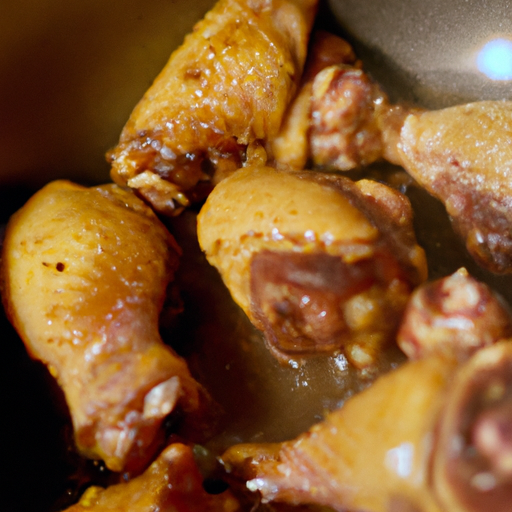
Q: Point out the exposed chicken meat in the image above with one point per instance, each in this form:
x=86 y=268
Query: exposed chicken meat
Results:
x=455 y=316
x=318 y=263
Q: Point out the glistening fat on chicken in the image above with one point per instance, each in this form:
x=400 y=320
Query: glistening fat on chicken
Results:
x=218 y=101
x=84 y=278
x=318 y=262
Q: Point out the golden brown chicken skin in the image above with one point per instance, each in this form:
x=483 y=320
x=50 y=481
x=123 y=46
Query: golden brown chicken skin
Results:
x=172 y=483
x=217 y=102
x=455 y=315
x=462 y=156
x=84 y=274
x=431 y=436
x=318 y=263
x=371 y=454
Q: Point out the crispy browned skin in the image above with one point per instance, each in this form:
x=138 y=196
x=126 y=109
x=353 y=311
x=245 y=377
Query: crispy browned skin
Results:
x=172 y=483
x=318 y=263
x=84 y=275
x=219 y=99
x=455 y=315
x=431 y=436
x=462 y=156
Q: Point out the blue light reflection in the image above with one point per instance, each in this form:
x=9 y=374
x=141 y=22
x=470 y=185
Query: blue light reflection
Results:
x=495 y=59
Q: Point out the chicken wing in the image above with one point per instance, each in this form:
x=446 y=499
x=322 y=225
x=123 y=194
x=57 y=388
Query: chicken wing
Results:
x=429 y=437
x=318 y=263
x=84 y=274
x=462 y=155
x=172 y=483
x=217 y=102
